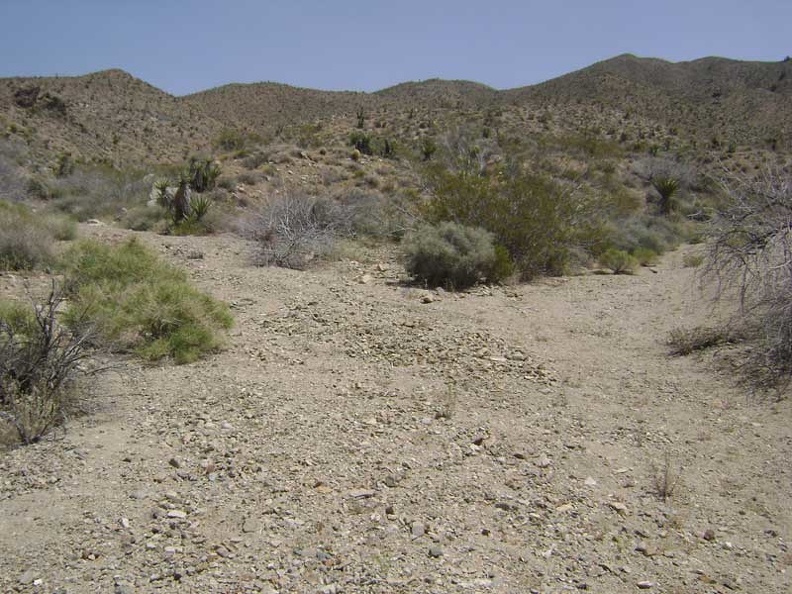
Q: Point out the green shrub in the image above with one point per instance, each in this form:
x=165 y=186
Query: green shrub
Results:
x=40 y=360
x=454 y=256
x=619 y=261
x=645 y=256
x=539 y=221
x=230 y=140
x=362 y=142
x=141 y=304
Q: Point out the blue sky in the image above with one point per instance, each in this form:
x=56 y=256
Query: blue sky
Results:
x=185 y=46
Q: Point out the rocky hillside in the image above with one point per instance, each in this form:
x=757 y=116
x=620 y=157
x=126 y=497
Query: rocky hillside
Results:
x=107 y=117
x=708 y=104
x=715 y=99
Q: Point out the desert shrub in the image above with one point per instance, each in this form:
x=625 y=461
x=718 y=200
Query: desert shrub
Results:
x=372 y=215
x=750 y=252
x=139 y=303
x=40 y=360
x=293 y=229
x=12 y=182
x=454 y=256
x=93 y=192
x=645 y=256
x=684 y=341
x=619 y=261
x=658 y=234
x=539 y=221
x=25 y=240
x=668 y=178
x=230 y=140
x=691 y=260
x=362 y=142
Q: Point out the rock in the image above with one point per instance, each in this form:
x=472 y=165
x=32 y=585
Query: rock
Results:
x=361 y=494
x=417 y=530
x=645 y=585
x=429 y=298
x=435 y=552
x=28 y=577
x=618 y=506
x=174 y=462
x=250 y=525
x=365 y=279
x=544 y=461
x=177 y=514
x=590 y=482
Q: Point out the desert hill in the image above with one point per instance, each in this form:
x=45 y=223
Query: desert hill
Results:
x=715 y=99
x=112 y=117
x=107 y=116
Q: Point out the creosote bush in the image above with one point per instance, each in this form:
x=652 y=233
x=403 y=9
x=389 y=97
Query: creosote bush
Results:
x=540 y=222
x=141 y=304
x=40 y=361
x=454 y=256
x=619 y=261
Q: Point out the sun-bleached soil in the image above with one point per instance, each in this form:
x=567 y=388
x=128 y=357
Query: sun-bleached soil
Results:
x=358 y=435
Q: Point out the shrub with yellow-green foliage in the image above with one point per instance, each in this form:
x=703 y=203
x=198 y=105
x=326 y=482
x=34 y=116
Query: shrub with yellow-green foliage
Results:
x=539 y=221
x=619 y=261
x=141 y=304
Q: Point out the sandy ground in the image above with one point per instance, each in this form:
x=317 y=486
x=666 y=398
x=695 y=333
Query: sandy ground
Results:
x=358 y=435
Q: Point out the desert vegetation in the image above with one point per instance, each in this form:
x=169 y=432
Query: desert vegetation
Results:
x=750 y=258
x=460 y=315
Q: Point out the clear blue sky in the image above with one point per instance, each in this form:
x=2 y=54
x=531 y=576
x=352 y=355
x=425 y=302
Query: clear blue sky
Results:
x=185 y=46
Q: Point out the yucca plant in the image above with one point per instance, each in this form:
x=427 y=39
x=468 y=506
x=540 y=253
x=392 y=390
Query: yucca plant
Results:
x=667 y=187
x=202 y=174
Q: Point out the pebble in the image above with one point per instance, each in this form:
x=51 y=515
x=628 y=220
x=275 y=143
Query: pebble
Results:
x=28 y=577
x=435 y=552
x=177 y=514
x=417 y=530
x=645 y=585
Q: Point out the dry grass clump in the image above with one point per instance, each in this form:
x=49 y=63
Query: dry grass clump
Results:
x=684 y=341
